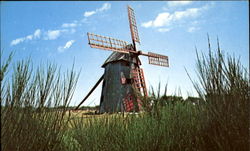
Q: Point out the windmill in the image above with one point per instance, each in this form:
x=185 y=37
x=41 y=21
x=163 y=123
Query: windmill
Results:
x=123 y=77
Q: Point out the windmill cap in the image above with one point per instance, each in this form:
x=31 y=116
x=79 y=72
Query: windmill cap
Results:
x=117 y=56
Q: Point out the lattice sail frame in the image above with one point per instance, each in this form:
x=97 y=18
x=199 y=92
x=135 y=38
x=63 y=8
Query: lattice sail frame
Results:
x=130 y=102
x=107 y=43
x=132 y=25
x=139 y=80
x=157 y=59
x=112 y=44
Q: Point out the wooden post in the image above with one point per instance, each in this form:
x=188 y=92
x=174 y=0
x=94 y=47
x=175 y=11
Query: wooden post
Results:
x=97 y=83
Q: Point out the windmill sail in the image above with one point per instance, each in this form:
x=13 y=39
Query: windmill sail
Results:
x=107 y=43
x=139 y=80
x=132 y=25
x=157 y=59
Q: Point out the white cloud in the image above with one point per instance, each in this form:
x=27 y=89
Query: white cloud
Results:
x=191 y=12
x=165 y=19
x=162 y=19
x=67 y=25
x=69 y=44
x=66 y=46
x=26 y=38
x=17 y=41
x=105 y=6
x=164 y=29
x=52 y=34
x=48 y=35
x=37 y=33
x=178 y=3
x=29 y=37
x=147 y=24
x=90 y=13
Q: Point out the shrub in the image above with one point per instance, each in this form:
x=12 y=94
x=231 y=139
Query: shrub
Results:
x=224 y=87
x=29 y=120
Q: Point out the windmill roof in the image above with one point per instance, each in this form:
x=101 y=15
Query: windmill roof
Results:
x=117 y=56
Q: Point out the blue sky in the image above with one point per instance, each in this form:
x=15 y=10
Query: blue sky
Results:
x=57 y=32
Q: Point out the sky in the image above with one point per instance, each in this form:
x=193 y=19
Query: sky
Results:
x=57 y=32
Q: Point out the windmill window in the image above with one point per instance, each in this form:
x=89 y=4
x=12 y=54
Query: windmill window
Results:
x=126 y=80
x=129 y=81
x=123 y=80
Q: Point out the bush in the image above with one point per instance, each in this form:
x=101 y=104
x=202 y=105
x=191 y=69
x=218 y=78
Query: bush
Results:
x=224 y=87
x=28 y=118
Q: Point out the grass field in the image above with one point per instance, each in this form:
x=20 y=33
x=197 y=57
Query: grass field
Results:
x=35 y=112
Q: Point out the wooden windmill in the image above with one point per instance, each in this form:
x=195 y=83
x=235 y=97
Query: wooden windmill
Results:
x=123 y=76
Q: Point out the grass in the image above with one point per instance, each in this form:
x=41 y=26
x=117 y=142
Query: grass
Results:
x=224 y=88
x=217 y=120
x=169 y=129
x=29 y=120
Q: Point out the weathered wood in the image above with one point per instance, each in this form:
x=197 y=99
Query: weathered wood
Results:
x=114 y=92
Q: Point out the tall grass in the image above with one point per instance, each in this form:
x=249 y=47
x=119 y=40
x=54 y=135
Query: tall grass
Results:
x=169 y=129
x=224 y=87
x=28 y=98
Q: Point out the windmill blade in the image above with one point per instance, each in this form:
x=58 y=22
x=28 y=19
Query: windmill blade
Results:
x=157 y=59
x=107 y=43
x=139 y=80
x=132 y=25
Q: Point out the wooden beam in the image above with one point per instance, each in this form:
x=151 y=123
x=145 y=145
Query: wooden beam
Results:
x=97 y=83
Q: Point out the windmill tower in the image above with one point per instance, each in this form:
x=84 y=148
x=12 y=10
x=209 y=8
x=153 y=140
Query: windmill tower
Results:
x=123 y=77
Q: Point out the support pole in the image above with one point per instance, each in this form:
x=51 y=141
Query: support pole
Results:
x=97 y=83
